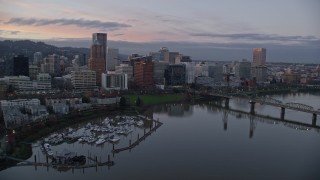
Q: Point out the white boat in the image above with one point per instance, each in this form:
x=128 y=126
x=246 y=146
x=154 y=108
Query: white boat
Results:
x=100 y=141
x=139 y=123
x=50 y=153
x=114 y=138
x=91 y=140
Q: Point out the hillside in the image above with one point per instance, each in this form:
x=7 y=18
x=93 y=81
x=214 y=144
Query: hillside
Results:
x=9 y=48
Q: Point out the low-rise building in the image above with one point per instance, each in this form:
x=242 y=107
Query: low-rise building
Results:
x=13 y=117
x=60 y=108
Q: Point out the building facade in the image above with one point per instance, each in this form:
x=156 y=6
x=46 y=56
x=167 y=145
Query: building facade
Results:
x=143 y=74
x=243 y=70
x=20 y=66
x=259 y=57
x=115 y=81
x=175 y=74
x=112 y=59
x=216 y=72
x=85 y=79
x=97 y=61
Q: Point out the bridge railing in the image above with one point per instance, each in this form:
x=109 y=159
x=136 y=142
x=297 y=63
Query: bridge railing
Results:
x=300 y=106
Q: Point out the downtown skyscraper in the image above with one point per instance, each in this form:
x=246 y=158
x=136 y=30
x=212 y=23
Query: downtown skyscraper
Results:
x=259 y=57
x=259 y=68
x=98 y=53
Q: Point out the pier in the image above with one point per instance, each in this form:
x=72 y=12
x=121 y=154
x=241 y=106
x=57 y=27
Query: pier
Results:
x=139 y=139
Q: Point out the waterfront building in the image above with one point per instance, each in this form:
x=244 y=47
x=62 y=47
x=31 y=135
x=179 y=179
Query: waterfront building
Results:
x=190 y=72
x=143 y=73
x=112 y=59
x=159 y=68
x=60 y=108
x=85 y=79
x=175 y=74
x=114 y=81
x=104 y=101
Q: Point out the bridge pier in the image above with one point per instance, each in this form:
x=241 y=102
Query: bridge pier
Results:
x=252 y=106
x=283 y=111
x=314 y=119
x=226 y=103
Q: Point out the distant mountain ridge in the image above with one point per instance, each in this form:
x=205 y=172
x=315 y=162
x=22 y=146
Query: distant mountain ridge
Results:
x=9 y=48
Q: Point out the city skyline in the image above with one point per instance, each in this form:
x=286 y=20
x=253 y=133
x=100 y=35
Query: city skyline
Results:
x=208 y=30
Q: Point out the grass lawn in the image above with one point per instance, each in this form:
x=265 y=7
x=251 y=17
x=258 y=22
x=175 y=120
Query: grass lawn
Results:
x=156 y=99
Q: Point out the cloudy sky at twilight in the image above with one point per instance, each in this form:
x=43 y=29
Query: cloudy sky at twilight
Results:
x=228 y=24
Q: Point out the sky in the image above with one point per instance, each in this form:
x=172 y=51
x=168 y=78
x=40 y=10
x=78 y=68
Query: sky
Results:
x=208 y=29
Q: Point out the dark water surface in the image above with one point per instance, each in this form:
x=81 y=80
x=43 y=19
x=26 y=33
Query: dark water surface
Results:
x=204 y=142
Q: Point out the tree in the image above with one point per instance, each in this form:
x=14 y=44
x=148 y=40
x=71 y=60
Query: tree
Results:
x=85 y=99
x=139 y=101
x=123 y=102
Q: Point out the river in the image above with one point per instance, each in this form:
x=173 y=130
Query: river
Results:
x=203 y=141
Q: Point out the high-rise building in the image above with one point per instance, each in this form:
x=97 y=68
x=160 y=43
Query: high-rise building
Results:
x=259 y=57
x=159 y=68
x=259 y=63
x=175 y=74
x=97 y=61
x=170 y=57
x=37 y=58
x=216 y=72
x=143 y=74
x=243 y=69
x=21 y=66
x=101 y=38
x=112 y=58
x=159 y=56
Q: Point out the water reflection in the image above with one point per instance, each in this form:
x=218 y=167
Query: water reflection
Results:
x=216 y=107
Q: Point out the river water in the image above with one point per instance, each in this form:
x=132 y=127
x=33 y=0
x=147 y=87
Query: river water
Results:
x=203 y=141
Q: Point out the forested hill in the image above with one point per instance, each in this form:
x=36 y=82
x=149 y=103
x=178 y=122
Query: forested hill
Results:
x=9 y=48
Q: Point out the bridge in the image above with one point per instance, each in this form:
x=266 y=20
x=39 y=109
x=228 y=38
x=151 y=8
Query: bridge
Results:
x=254 y=118
x=253 y=99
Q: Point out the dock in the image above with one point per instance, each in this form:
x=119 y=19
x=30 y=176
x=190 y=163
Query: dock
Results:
x=139 y=139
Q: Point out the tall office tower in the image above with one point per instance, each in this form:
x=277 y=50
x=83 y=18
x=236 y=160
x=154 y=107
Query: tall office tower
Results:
x=21 y=66
x=97 y=61
x=102 y=39
x=112 y=59
x=216 y=72
x=259 y=57
x=259 y=63
x=243 y=69
x=37 y=58
x=143 y=74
